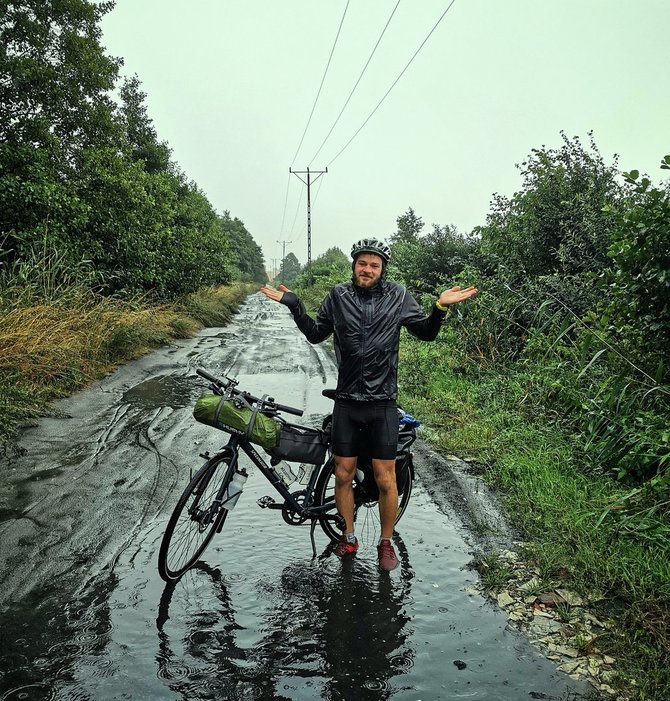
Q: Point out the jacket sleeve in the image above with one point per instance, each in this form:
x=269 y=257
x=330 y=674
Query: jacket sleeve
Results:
x=417 y=323
x=314 y=331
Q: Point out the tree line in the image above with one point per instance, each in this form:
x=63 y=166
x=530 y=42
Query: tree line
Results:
x=84 y=178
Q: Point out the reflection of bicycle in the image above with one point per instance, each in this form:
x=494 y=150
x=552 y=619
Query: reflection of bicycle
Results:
x=214 y=489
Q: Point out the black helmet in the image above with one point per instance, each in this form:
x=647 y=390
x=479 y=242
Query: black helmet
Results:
x=379 y=248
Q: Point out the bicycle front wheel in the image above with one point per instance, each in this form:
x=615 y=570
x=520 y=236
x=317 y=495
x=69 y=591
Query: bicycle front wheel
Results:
x=366 y=510
x=195 y=519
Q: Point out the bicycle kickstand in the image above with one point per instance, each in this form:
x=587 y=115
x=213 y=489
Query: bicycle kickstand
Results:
x=311 y=535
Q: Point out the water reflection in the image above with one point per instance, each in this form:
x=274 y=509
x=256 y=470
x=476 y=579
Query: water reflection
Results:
x=208 y=639
x=327 y=629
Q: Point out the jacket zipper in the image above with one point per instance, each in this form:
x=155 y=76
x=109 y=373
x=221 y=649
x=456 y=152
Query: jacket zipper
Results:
x=367 y=307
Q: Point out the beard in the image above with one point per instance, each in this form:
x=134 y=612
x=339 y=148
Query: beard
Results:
x=366 y=279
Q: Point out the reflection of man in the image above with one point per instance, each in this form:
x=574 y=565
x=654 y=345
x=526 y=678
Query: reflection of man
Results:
x=366 y=316
x=366 y=638
x=339 y=628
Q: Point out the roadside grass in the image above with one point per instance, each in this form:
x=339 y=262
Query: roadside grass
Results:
x=493 y=570
x=52 y=347
x=559 y=502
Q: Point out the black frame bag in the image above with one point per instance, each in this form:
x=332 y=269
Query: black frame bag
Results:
x=300 y=444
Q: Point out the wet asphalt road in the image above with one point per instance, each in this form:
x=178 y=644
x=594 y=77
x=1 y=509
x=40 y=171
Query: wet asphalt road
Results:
x=85 y=615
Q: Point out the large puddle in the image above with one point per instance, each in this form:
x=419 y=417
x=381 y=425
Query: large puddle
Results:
x=260 y=618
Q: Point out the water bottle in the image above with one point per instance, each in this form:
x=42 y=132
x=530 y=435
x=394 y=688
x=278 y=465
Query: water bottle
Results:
x=234 y=489
x=285 y=472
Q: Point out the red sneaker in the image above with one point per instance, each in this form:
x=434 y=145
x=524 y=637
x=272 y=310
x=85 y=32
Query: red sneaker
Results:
x=346 y=549
x=387 y=557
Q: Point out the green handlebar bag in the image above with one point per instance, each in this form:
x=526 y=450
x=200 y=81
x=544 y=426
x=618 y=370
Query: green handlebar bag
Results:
x=224 y=414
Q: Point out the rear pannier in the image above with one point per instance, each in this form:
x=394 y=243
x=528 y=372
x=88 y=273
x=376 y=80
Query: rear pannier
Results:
x=222 y=413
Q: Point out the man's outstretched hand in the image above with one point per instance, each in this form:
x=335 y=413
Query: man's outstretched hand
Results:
x=273 y=294
x=455 y=295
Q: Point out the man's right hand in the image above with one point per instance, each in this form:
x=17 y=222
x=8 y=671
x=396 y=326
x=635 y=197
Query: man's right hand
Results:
x=273 y=294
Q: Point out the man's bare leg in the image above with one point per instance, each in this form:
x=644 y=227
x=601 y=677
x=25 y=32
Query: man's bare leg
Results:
x=345 y=469
x=384 y=471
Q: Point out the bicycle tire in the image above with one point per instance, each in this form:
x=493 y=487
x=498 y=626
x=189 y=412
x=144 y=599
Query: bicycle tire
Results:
x=195 y=520
x=366 y=511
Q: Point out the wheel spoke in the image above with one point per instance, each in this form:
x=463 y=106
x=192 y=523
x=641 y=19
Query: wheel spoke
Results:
x=194 y=520
x=366 y=512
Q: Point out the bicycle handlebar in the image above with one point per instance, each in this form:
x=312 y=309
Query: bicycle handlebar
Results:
x=230 y=385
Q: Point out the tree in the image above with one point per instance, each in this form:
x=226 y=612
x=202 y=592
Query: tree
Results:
x=139 y=129
x=247 y=256
x=556 y=224
x=332 y=258
x=409 y=228
x=54 y=104
x=638 y=287
x=289 y=270
x=328 y=269
x=428 y=263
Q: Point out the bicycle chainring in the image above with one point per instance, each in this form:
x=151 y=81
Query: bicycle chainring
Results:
x=293 y=518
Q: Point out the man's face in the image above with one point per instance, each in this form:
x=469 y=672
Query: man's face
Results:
x=367 y=269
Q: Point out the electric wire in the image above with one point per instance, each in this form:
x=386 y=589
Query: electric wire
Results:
x=316 y=99
x=297 y=209
x=386 y=94
x=388 y=21
x=283 y=216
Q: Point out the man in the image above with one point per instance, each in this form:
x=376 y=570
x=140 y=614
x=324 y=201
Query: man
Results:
x=366 y=316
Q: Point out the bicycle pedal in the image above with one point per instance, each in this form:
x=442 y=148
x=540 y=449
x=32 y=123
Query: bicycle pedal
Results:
x=265 y=502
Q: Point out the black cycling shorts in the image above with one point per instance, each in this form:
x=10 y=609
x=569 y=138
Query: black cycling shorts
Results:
x=365 y=428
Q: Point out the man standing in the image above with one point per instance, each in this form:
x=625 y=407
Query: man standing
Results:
x=366 y=316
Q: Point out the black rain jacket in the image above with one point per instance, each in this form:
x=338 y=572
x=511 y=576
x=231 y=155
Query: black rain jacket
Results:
x=366 y=324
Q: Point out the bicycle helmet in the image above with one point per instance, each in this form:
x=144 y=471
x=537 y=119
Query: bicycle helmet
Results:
x=375 y=246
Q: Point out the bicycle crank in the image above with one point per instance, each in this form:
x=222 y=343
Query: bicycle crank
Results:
x=292 y=517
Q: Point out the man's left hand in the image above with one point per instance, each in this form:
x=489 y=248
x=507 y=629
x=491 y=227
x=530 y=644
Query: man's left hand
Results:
x=455 y=295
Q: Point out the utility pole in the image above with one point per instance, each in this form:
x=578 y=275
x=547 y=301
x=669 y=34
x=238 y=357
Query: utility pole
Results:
x=308 y=182
x=283 y=251
x=274 y=267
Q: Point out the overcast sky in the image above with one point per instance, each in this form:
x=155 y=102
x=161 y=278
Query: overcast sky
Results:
x=231 y=83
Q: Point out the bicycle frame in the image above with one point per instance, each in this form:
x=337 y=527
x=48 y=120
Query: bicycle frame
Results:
x=238 y=441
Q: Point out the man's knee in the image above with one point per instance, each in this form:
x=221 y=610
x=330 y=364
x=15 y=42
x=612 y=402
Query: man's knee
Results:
x=384 y=471
x=345 y=469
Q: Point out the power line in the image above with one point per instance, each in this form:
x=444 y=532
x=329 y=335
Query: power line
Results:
x=316 y=99
x=393 y=84
x=388 y=21
x=297 y=209
x=283 y=216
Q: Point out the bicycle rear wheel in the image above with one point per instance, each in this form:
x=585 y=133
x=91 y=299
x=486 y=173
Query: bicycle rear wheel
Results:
x=366 y=509
x=195 y=519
